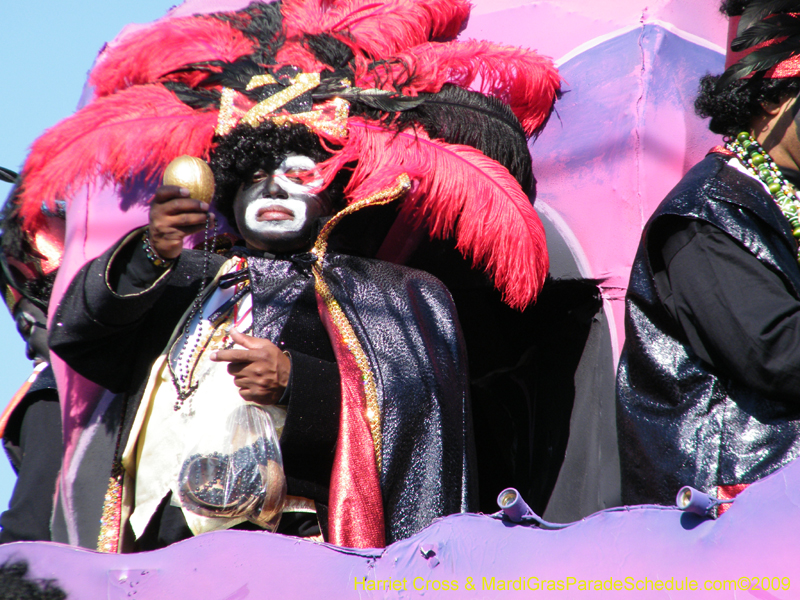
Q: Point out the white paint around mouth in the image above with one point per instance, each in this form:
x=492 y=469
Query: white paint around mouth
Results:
x=297 y=208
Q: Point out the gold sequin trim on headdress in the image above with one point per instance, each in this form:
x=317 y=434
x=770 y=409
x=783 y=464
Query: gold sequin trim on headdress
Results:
x=329 y=117
x=301 y=84
x=257 y=81
x=226 y=120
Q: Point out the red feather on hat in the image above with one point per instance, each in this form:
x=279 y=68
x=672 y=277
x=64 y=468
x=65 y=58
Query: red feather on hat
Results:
x=523 y=79
x=148 y=54
x=135 y=132
x=459 y=191
x=376 y=28
x=135 y=127
x=294 y=53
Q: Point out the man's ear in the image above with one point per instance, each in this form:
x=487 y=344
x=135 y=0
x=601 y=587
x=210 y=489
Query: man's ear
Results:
x=775 y=108
x=772 y=108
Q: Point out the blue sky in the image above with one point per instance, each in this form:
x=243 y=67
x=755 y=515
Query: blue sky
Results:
x=46 y=49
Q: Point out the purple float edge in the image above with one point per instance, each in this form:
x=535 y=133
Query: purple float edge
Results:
x=753 y=545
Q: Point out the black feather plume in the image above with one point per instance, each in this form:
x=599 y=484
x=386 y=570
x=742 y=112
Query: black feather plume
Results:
x=384 y=101
x=775 y=27
x=8 y=175
x=196 y=98
x=235 y=75
x=381 y=100
x=261 y=22
x=758 y=10
x=327 y=49
x=460 y=116
x=760 y=60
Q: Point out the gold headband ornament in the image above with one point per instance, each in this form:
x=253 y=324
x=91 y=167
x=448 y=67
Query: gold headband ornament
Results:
x=328 y=118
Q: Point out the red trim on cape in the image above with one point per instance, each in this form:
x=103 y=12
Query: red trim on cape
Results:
x=720 y=150
x=728 y=492
x=355 y=511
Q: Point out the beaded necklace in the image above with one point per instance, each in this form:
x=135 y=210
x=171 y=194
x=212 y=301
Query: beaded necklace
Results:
x=759 y=164
x=181 y=377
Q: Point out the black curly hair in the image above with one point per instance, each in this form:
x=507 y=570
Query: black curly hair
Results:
x=246 y=149
x=733 y=108
x=733 y=8
x=14 y=585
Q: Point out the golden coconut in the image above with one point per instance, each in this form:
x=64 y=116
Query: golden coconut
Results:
x=193 y=174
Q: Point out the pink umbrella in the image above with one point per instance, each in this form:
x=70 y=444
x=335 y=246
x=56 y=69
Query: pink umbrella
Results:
x=625 y=131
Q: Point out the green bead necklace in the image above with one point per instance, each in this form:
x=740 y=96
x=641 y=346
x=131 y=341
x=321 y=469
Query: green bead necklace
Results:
x=760 y=164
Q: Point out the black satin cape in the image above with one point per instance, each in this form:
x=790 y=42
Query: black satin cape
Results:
x=406 y=323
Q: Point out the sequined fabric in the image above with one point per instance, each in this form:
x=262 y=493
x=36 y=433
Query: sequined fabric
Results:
x=109 y=538
x=276 y=285
x=352 y=499
x=679 y=423
x=728 y=492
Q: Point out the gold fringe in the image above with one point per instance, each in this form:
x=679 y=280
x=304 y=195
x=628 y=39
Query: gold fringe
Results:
x=110 y=521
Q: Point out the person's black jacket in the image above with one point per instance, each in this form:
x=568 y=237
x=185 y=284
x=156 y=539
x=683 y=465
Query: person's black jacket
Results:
x=687 y=415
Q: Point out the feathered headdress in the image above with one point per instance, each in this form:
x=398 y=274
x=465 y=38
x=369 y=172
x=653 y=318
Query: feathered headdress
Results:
x=764 y=40
x=383 y=84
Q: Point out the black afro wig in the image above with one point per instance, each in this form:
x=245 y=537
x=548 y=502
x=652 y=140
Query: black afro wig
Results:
x=733 y=108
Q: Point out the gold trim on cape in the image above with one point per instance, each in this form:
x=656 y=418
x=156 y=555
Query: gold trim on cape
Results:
x=345 y=329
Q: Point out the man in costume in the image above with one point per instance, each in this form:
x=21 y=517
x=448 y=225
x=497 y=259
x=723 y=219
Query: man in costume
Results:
x=420 y=385
x=312 y=102
x=30 y=426
x=708 y=381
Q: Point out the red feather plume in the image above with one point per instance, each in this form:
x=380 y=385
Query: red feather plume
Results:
x=295 y=54
x=148 y=54
x=378 y=28
x=459 y=191
x=523 y=79
x=133 y=132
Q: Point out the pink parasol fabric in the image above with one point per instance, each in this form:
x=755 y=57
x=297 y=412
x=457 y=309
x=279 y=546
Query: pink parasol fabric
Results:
x=625 y=131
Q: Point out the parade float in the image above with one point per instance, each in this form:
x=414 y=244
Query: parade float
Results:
x=621 y=135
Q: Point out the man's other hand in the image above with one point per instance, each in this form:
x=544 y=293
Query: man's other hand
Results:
x=260 y=369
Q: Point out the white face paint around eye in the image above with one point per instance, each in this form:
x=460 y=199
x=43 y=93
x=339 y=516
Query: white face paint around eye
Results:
x=279 y=209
